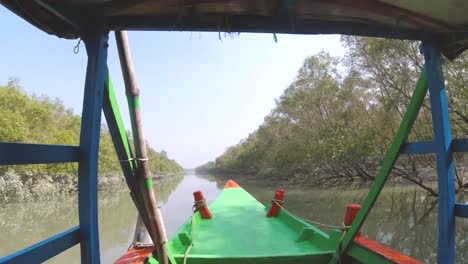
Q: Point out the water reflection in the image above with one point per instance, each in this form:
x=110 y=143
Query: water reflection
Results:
x=404 y=218
x=25 y=223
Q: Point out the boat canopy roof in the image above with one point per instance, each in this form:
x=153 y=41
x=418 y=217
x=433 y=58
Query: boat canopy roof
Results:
x=402 y=19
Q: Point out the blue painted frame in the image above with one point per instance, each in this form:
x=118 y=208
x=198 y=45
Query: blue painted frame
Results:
x=428 y=147
x=443 y=149
x=24 y=153
x=420 y=147
x=46 y=249
x=461 y=210
x=96 y=48
x=86 y=154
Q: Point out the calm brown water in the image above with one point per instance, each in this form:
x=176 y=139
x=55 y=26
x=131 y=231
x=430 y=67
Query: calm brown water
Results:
x=404 y=218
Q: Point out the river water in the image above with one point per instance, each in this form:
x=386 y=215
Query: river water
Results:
x=404 y=218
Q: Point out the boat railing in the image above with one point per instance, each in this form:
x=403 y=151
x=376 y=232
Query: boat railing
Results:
x=86 y=155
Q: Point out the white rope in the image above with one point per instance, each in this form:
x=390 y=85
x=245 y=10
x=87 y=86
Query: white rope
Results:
x=310 y=221
x=131 y=159
x=192 y=236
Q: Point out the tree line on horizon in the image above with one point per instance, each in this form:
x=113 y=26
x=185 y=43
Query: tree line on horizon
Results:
x=40 y=119
x=336 y=120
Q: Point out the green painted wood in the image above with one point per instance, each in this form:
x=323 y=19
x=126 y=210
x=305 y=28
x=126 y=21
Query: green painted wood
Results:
x=119 y=133
x=390 y=158
x=240 y=232
x=144 y=179
x=366 y=256
x=122 y=147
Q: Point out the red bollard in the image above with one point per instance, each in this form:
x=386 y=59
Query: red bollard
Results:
x=200 y=205
x=276 y=203
x=351 y=212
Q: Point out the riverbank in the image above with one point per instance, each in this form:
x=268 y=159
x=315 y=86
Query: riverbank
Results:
x=404 y=218
x=37 y=185
x=429 y=184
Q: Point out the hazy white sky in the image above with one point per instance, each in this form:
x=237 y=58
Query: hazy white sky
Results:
x=199 y=94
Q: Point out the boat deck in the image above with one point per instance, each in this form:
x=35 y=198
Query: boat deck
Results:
x=263 y=240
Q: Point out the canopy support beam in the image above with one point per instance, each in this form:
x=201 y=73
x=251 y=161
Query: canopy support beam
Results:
x=122 y=147
x=144 y=179
x=387 y=165
x=442 y=145
x=96 y=47
x=444 y=152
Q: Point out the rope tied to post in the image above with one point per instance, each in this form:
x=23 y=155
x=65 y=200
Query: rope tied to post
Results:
x=342 y=228
x=132 y=159
x=277 y=202
x=199 y=204
x=196 y=206
x=139 y=245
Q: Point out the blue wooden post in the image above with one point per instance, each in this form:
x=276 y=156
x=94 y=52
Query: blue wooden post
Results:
x=96 y=48
x=444 y=155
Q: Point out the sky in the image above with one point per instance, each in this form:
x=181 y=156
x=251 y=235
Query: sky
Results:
x=199 y=94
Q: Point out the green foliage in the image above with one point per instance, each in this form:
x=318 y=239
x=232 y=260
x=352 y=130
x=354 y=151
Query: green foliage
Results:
x=160 y=164
x=39 y=119
x=335 y=121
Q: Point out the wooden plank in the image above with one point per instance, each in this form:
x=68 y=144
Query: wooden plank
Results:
x=444 y=155
x=388 y=162
x=460 y=145
x=428 y=147
x=46 y=249
x=421 y=147
x=122 y=147
x=461 y=210
x=144 y=179
x=135 y=255
x=24 y=153
x=260 y=24
x=59 y=14
x=286 y=7
x=119 y=134
x=380 y=251
x=89 y=147
x=389 y=10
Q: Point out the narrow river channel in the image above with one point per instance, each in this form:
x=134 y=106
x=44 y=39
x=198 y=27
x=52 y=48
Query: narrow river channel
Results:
x=404 y=218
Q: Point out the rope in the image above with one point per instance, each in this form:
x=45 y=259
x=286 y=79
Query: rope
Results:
x=343 y=228
x=192 y=237
x=76 y=49
x=338 y=249
x=199 y=204
x=279 y=203
x=139 y=245
x=196 y=206
x=131 y=159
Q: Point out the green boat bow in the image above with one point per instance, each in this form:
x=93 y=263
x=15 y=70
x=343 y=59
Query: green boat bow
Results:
x=240 y=232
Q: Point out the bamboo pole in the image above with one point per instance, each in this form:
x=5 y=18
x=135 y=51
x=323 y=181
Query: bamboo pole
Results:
x=145 y=181
x=122 y=147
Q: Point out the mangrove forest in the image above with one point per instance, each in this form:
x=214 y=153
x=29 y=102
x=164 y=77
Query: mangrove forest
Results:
x=335 y=121
x=40 y=119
